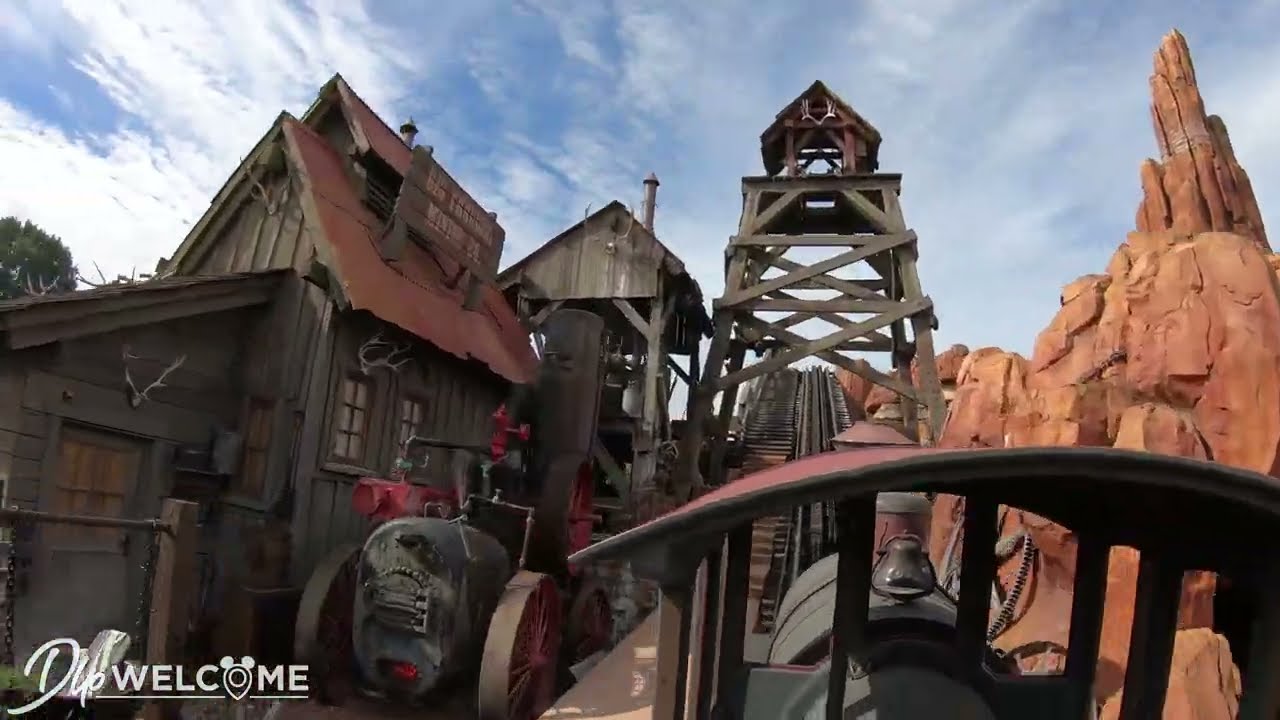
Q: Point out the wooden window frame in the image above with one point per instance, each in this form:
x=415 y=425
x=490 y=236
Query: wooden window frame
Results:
x=335 y=421
x=400 y=420
x=241 y=486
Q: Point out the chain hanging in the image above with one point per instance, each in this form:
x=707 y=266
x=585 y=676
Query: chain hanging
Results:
x=10 y=594
x=144 y=596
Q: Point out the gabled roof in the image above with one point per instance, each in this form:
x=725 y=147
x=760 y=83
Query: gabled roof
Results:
x=771 y=148
x=671 y=263
x=197 y=238
x=370 y=132
x=37 y=320
x=410 y=293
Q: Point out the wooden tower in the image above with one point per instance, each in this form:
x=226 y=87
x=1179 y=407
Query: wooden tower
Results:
x=822 y=197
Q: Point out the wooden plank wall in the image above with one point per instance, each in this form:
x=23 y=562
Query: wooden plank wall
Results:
x=460 y=398
x=263 y=234
x=610 y=257
x=81 y=382
x=22 y=436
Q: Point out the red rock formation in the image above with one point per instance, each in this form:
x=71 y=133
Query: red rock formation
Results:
x=856 y=389
x=881 y=404
x=1198 y=185
x=1204 y=683
x=1170 y=350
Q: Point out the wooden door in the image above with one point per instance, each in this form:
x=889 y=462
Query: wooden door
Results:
x=86 y=577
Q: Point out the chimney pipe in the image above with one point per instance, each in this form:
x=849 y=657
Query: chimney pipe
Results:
x=650 y=200
x=408 y=131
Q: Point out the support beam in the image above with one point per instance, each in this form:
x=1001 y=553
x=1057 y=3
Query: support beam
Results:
x=679 y=371
x=860 y=369
x=605 y=460
x=880 y=245
x=823 y=240
x=629 y=312
x=536 y=320
x=813 y=347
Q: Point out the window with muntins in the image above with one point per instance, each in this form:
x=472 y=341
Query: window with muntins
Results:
x=412 y=412
x=351 y=421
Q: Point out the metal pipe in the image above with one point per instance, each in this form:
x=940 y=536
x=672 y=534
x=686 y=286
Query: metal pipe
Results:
x=650 y=201
x=408 y=131
x=20 y=515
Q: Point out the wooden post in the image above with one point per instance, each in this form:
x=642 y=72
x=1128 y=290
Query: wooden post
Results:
x=172 y=590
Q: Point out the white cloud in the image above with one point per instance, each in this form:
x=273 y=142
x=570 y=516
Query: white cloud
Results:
x=1019 y=132
x=196 y=84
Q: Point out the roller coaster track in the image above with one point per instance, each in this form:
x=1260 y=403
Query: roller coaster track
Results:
x=796 y=413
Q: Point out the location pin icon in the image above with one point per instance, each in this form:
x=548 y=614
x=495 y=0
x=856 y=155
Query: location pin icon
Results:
x=236 y=677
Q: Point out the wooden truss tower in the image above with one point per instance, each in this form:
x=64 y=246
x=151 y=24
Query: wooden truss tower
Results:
x=859 y=255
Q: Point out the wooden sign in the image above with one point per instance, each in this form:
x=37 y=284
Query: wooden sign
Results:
x=437 y=210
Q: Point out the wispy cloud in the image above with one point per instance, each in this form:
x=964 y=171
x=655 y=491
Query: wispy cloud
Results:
x=1018 y=130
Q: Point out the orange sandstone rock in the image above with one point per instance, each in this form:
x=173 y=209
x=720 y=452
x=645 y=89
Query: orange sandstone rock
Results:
x=1198 y=184
x=1175 y=349
x=1204 y=683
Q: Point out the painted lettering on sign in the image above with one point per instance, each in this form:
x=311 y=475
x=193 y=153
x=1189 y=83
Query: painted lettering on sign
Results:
x=456 y=218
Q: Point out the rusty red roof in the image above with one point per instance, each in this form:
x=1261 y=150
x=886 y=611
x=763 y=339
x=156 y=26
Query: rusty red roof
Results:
x=410 y=293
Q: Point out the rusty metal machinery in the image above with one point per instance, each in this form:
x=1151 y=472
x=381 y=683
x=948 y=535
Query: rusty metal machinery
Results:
x=467 y=575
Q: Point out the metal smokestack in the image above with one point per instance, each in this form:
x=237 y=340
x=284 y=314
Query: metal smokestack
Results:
x=650 y=200
x=408 y=131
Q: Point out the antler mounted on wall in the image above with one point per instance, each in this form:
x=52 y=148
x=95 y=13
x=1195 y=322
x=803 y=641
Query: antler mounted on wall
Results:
x=828 y=111
x=137 y=397
x=378 y=352
x=619 y=233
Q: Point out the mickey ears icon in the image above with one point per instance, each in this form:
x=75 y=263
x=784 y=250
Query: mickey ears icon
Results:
x=227 y=662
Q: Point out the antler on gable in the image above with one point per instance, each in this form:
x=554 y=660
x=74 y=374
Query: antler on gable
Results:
x=393 y=354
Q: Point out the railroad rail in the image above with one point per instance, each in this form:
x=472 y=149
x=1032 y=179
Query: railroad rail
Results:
x=797 y=413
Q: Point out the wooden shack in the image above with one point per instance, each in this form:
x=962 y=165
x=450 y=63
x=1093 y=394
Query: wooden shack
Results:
x=612 y=264
x=307 y=356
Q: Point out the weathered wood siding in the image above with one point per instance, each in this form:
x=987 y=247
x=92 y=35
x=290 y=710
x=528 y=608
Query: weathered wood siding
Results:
x=22 y=438
x=266 y=230
x=459 y=399
x=79 y=385
x=610 y=256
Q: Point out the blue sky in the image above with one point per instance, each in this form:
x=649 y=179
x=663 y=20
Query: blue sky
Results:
x=1019 y=131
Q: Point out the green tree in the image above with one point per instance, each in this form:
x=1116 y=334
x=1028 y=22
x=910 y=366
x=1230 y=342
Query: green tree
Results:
x=32 y=259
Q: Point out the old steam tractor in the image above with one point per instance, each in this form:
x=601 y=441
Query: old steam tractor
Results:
x=468 y=574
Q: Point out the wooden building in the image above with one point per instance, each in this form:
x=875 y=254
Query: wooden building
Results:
x=335 y=297
x=612 y=264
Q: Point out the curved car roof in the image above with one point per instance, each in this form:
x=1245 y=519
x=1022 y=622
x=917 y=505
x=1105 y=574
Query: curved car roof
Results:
x=1135 y=498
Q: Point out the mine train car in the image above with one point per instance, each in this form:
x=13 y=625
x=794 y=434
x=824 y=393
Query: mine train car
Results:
x=907 y=652
x=463 y=587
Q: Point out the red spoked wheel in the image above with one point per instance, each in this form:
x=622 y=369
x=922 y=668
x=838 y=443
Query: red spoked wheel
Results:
x=590 y=622
x=322 y=630
x=518 y=669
